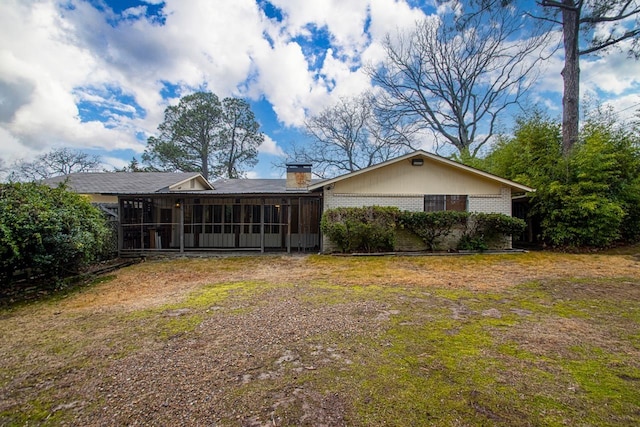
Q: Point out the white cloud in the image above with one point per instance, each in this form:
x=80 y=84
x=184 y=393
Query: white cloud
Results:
x=285 y=80
x=627 y=106
x=388 y=17
x=110 y=162
x=11 y=149
x=55 y=56
x=613 y=73
x=270 y=146
x=344 y=19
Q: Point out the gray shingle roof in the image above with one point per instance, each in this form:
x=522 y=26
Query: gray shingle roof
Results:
x=159 y=182
x=253 y=186
x=120 y=182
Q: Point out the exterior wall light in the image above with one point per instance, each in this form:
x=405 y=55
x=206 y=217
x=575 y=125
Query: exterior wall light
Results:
x=417 y=162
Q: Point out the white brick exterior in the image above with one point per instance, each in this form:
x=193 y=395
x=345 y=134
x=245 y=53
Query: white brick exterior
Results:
x=486 y=203
x=402 y=202
x=491 y=203
x=405 y=181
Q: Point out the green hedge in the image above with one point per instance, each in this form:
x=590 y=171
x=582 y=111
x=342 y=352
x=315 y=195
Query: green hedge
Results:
x=368 y=229
x=432 y=227
x=373 y=229
x=484 y=229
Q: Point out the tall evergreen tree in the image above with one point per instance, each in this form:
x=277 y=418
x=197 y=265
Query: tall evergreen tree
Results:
x=203 y=134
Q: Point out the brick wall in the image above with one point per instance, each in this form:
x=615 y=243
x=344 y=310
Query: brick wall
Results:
x=402 y=202
x=492 y=203
x=489 y=203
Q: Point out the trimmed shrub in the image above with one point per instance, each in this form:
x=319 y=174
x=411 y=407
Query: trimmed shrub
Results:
x=373 y=229
x=486 y=229
x=367 y=229
x=432 y=227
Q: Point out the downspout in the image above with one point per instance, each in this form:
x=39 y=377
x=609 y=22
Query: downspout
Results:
x=302 y=229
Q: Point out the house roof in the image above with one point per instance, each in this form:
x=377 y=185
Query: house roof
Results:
x=427 y=156
x=125 y=182
x=121 y=183
x=254 y=186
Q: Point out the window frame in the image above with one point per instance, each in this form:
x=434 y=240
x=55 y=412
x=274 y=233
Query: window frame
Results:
x=445 y=202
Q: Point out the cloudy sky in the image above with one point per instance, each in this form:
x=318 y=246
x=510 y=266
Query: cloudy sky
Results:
x=97 y=74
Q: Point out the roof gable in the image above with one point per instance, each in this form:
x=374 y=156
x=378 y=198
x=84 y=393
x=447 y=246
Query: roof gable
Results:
x=194 y=183
x=420 y=154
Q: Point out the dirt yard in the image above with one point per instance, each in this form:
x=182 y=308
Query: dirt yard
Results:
x=332 y=341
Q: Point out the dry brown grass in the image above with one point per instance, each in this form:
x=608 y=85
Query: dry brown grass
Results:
x=266 y=337
x=156 y=282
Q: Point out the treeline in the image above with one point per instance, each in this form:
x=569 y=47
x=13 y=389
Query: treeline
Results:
x=589 y=198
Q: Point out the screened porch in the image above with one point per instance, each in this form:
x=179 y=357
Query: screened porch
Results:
x=162 y=223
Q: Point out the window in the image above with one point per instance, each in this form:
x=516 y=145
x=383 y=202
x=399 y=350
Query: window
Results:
x=434 y=203
x=439 y=202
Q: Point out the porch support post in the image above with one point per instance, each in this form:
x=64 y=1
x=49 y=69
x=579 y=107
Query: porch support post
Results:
x=289 y=225
x=120 y=228
x=262 y=225
x=181 y=227
x=302 y=231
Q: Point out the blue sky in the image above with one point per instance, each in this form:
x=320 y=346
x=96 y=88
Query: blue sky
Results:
x=96 y=75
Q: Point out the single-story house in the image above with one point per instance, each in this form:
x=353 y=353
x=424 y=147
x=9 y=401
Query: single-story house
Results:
x=164 y=211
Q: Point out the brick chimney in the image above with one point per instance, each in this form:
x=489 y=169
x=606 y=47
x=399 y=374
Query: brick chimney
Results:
x=298 y=175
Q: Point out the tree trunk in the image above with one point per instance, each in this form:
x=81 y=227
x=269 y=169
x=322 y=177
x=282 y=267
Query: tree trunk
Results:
x=570 y=76
x=205 y=164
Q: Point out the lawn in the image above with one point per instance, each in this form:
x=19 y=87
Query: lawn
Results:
x=509 y=340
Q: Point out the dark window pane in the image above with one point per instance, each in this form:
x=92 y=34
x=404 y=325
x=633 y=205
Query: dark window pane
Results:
x=457 y=203
x=434 y=203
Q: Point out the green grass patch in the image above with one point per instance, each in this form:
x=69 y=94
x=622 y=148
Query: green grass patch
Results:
x=446 y=371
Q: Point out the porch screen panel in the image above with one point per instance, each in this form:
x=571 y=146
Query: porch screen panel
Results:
x=275 y=223
x=147 y=223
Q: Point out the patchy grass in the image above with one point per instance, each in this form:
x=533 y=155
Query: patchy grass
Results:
x=507 y=340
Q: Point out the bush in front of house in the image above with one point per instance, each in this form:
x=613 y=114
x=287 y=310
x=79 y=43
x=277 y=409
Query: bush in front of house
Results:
x=486 y=229
x=367 y=229
x=373 y=229
x=432 y=227
x=49 y=232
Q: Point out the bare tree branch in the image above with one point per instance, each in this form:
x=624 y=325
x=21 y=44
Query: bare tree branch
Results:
x=349 y=136
x=59 y=161
x=457 y=76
